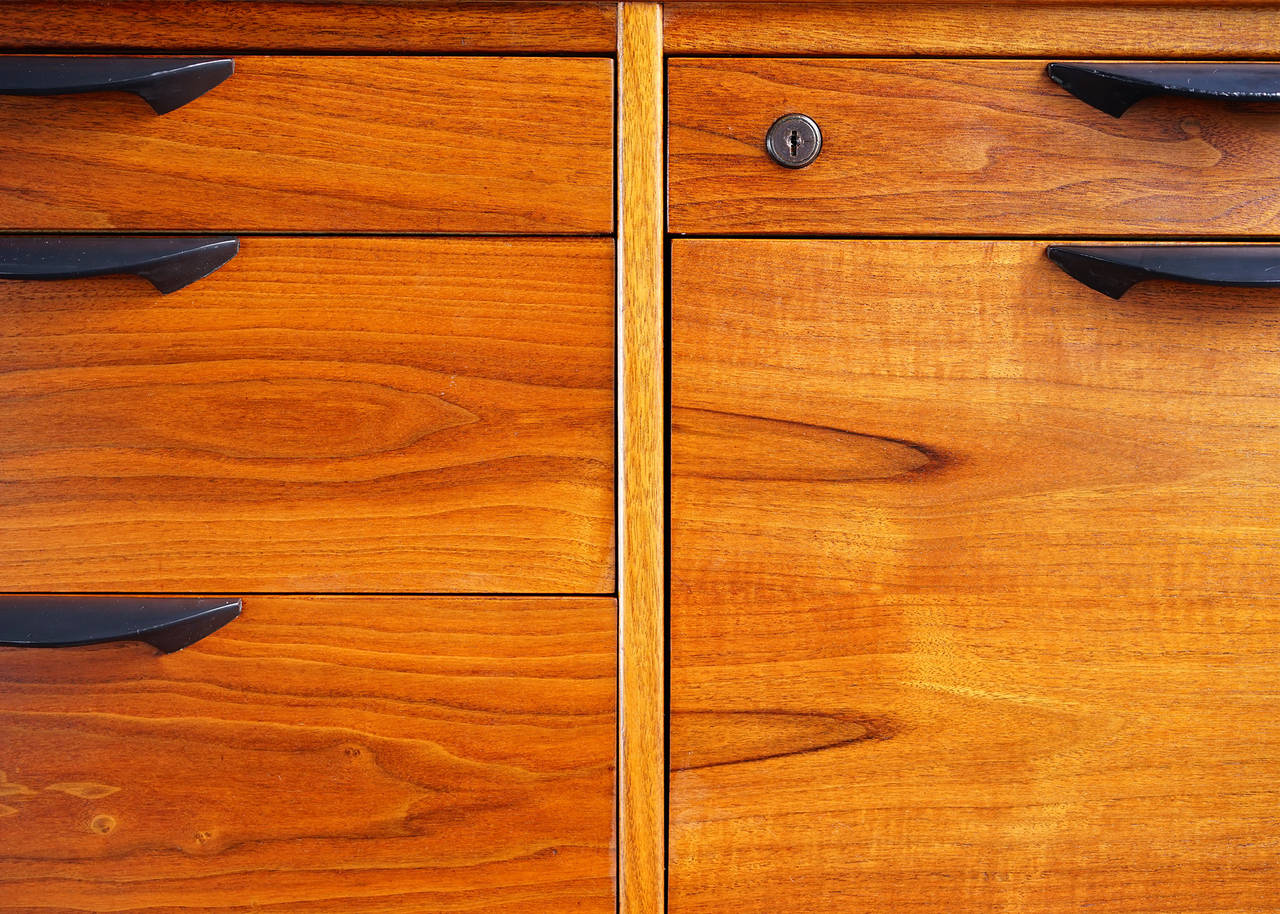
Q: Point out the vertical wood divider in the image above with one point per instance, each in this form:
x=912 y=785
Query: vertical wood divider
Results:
x=641 y=461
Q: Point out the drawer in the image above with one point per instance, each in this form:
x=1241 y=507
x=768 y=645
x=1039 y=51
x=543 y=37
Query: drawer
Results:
x=313 y=144
x=974 y=601
x=319 y=414
x=319 y=754
x=966 y=147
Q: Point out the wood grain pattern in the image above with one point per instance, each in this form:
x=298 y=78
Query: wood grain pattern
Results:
x=319 y=755
x=1015 y=28
x=955 y=147
x=975 y=601
x=381 y=26
x=642 y=482
x=323 y=414
x=328 y=144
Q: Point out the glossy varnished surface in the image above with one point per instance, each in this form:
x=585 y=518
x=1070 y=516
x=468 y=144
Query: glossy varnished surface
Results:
x=326 y=144
x=1003 y=28
x=319 y=755
x=974 y=590
x=382 y=26
x=408 y=415
x=959 y=147
x=642 y=482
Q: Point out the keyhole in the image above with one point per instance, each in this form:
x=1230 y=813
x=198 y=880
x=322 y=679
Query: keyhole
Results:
x=793 y=140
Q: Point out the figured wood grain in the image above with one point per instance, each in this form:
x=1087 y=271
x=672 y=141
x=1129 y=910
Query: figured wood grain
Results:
x=321 y=414
x=1015 y=28
x=326 y=144
x=316 y=755
x=380 y=26
x=642 y=481
x=959 y=147
x=974 y=597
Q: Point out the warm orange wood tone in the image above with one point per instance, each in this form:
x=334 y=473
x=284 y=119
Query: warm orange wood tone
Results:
x=1073 y=28
x=975 y=580
x=341 y=144
x=387 y=26
x=959 y=147
x=642 y=483
x=337 y=414
x=319 y=754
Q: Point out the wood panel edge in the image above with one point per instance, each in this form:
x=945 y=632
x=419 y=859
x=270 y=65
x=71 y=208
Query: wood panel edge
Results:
x=300 y=26
x=1189 y=29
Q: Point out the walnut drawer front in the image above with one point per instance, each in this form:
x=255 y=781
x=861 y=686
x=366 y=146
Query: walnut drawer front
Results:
x=319 y=754
x=960 y=147
x=324 y=144
x=320 y=414
x=974 y=589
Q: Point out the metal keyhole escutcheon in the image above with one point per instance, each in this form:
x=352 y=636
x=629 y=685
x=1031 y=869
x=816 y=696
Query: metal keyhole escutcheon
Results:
x=793 y=141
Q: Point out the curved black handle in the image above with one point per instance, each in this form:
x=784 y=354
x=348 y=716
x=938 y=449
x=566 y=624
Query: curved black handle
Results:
x=166 y=623
x=169 y=264
x=1115 y=269
x=165 y=83
x=1115 y=87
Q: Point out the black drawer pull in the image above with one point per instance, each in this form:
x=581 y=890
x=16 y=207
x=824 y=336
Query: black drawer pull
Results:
x=166 y=623
x=1115 y=269
x=167 y=263
x=165 y=83
x=1115 y=87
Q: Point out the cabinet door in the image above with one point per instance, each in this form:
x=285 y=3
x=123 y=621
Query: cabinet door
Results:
x=975 y=598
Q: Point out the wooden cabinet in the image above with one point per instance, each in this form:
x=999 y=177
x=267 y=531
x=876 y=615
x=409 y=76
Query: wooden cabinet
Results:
x=973 y=590
x=330 y=342
x=916 y=504
x=973 y=593
x=341 y=754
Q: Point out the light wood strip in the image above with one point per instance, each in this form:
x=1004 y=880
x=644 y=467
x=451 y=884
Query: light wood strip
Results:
x=383 y=26
x=1010 y=29
x=641 y=488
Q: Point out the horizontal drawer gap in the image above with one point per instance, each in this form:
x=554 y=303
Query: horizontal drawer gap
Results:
x=807 y=55
x=188 y=233
x=313 y=593
x=291 y=52
x=1037 y=236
